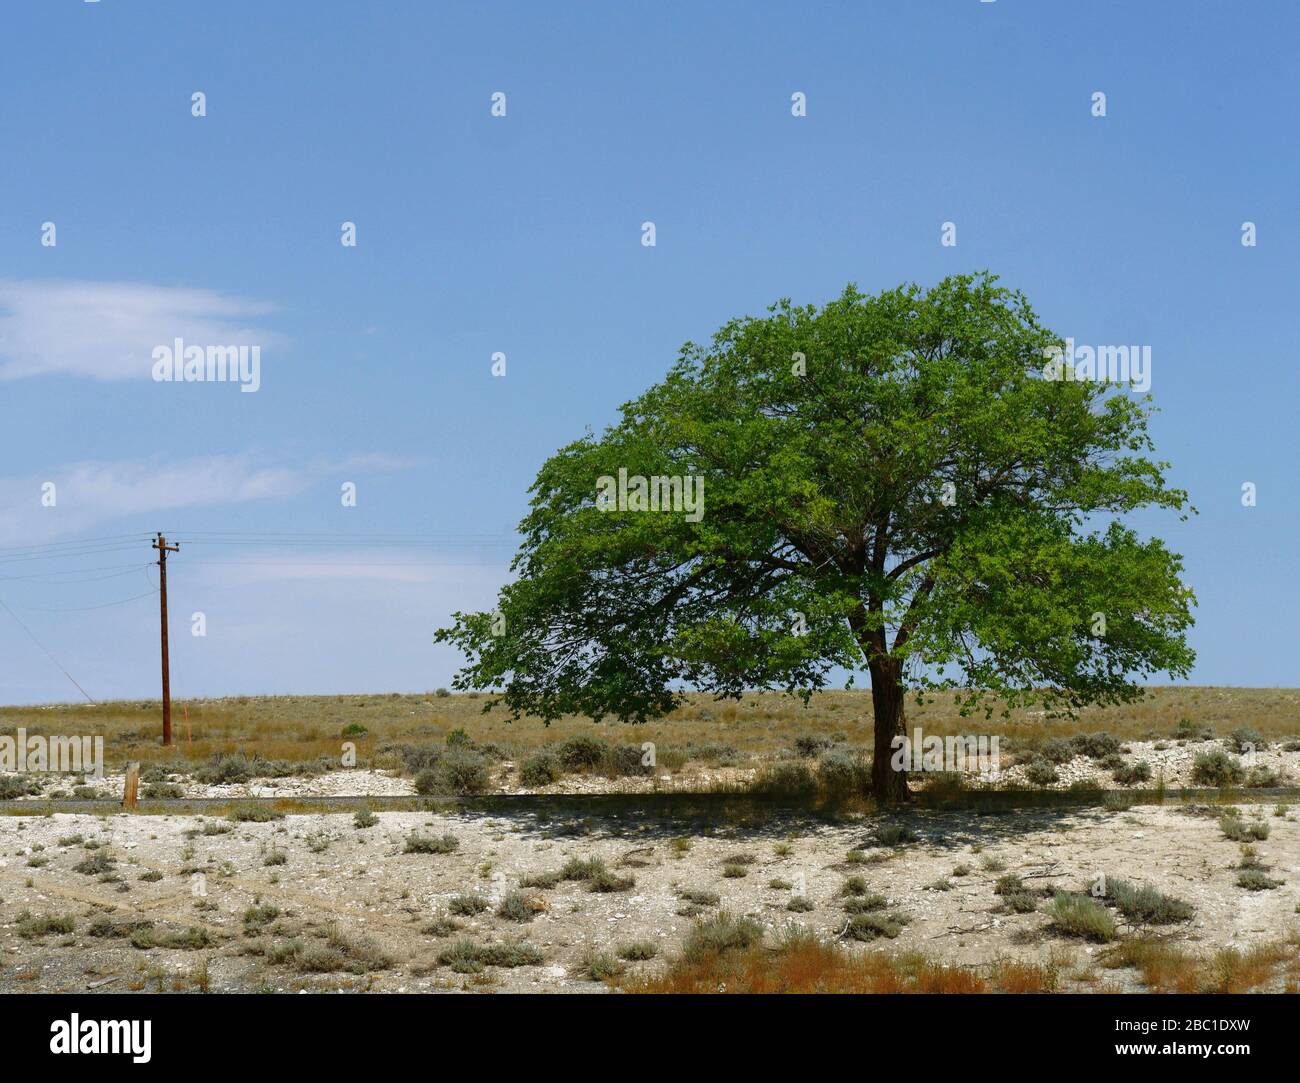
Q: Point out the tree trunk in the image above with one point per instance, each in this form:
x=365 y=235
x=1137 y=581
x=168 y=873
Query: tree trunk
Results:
x=888 y=786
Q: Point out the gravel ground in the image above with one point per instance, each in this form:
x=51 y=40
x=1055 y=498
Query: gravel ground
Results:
x=359 y=882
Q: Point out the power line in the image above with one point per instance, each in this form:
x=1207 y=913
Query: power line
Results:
x=94 y=551
x=43 y=647
x=46 y=575
x=334 y=534
x=346 y=563
x=88 y=608
x=74 y=542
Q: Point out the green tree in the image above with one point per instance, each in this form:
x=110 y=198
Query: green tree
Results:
x=890 y=483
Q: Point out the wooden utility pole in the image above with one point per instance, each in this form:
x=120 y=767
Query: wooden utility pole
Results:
x=163 y=549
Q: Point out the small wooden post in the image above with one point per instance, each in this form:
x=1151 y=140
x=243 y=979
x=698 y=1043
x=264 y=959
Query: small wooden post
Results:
x=129 y=791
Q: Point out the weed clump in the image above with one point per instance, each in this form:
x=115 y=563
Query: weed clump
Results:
x=517 y=906
x=254 y=814
x=464 y=956
x=1040 y=772
x=720 y=934
x=420 y=844
x=873 y=927
x=541 y=769
x=458 y=770
x=1144 y=905
x=467 y=904
x=1128 y=774
x=582 y=753
x=1078 y=915
x=1217 y=768
x=1238 y=829
x=31 y=927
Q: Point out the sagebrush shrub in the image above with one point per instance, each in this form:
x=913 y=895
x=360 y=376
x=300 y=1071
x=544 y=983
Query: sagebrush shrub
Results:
x=541 y=769
x=1040 y=772
x=1244 y=739
x=581 y=753
x=720 y=934
x=457 y=771
x=1217 y=768
x=1079 y=915
x=1126 y=774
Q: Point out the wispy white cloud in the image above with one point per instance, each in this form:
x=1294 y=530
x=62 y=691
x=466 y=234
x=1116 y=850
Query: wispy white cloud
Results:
x=108 y=331
x=91 y=493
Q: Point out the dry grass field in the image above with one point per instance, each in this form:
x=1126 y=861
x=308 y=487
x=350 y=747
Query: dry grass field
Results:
x=300 y=729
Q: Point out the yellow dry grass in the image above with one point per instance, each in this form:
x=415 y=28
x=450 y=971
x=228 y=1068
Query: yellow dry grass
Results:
x=759 y=724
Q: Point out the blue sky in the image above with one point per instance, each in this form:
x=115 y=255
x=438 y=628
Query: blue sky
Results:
x=521 y=234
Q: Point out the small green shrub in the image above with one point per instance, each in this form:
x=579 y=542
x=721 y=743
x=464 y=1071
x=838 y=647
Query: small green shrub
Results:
x=1256 y=880
x=1022 y=902
x=1187 y=730
x=1040 y=772
x=31 y=927
x=510 y=955
x=1263 y=778
x=541 y=769
x=622 y=761
x=1237 y=829
x=1056 y=750
x=467 y=904
x=602 y=881
x=865 y=904
x=720 y=934
x=1144 y=905
x=582 y=753
x=458 y=770
x=1096 y=746
x=810 y=744
x=255 y=917
x=843 y=771
x=255 y=814
x=1078 y=915
x=420 y=844
x=1244 y=739
x=894 y=835
x=786 y=778
x=1217 y=768
x=95 y=863
x=873 y=927
x=441 y=926
x=517 y=907
x=1128 y=774
x=601 y=966
x=1008 y=885
x=541 y=879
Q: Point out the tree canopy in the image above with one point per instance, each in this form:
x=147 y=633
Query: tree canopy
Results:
x=889 y=483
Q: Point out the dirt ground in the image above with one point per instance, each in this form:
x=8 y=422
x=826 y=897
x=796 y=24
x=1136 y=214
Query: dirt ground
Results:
x=317 y=875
